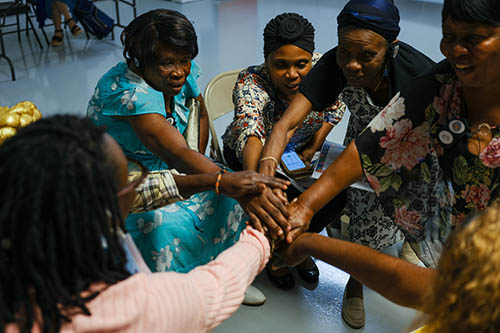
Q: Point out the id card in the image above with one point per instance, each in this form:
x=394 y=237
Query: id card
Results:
x=292 y=161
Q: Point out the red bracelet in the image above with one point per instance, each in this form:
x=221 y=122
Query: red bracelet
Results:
x=217 y=182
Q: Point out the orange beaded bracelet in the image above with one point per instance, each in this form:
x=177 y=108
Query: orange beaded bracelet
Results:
x=217 y=182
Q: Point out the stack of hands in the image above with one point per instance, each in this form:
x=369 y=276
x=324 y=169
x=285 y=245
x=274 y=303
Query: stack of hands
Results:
x=264 y=200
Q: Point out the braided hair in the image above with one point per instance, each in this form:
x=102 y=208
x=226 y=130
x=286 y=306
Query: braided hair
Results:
x=58 y=216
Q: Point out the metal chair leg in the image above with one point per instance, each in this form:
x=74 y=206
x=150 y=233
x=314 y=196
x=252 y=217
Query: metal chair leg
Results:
x=3 y=55
x=28 y=19
x=18 y=28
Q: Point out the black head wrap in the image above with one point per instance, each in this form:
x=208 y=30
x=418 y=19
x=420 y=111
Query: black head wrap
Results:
x=288 y=28
x=380 y=16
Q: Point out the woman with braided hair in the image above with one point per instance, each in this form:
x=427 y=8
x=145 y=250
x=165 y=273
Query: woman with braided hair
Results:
x=64 y=194
x=261 y=95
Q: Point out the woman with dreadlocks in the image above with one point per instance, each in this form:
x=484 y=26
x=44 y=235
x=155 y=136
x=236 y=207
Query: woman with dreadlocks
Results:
x=62 y=262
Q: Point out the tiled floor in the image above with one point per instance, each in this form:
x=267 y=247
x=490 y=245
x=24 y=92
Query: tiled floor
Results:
x=230 y=36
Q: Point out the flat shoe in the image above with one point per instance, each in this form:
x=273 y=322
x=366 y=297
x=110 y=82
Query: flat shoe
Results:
x=254 y=297
x=407 y=254
x=353 y=312
x=283 y=282
x=310 y=274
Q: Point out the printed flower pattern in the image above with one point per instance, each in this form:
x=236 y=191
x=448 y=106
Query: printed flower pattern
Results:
x=393 y=111
x=430 y=188
x=490 y=156
x=258 y=107
x=404 y=145
x=177 y=237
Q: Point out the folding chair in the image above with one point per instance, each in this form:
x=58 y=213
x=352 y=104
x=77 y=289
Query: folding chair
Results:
x=218 y=101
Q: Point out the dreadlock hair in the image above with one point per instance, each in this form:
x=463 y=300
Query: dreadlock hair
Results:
x=58 y=219
x=143 y=37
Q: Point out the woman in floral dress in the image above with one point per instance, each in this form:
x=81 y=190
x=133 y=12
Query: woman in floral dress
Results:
x=433 y=154
x=142 y=104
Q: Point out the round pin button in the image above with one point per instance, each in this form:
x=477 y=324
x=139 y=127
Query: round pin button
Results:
x=445 y=137
x=456 y=126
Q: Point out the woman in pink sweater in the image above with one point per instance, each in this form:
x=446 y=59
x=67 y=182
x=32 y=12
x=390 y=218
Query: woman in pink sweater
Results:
x=64 y=192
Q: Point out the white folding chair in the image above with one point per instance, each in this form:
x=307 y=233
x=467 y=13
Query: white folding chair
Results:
x=219 y=101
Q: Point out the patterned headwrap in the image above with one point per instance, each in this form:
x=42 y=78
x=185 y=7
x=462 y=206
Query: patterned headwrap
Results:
x=288 y=28
x=380 y=16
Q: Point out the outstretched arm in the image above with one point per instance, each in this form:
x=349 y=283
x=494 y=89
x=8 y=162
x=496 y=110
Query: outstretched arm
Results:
x=201 y=299
x=399 y=281
x=283 y=130
x=166 y=142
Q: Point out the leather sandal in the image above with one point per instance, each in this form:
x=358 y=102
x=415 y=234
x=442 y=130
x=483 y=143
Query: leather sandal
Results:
x=75 y=30
x=56 y=39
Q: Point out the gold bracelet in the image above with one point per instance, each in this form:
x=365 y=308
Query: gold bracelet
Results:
x=217 y=182
x=269 y=158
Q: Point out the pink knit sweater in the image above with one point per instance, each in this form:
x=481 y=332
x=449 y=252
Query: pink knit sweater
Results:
x=172 y=302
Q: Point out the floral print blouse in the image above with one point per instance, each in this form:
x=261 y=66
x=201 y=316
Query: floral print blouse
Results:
x=258 y=107
x=429 y=182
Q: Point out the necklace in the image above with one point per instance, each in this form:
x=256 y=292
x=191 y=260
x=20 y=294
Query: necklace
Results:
x=483 y=129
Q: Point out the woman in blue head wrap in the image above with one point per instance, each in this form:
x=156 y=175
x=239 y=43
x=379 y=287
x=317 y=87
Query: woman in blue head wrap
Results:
x=367 y=68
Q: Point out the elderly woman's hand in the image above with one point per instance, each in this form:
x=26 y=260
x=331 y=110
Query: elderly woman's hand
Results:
x=268 y=212
x=299 y=219
x=243 y=183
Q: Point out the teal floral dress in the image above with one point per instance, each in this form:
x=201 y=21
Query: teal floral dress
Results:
x=414 y=154
x=179 y=236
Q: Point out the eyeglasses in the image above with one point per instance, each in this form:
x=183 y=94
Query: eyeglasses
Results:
x=136 y=175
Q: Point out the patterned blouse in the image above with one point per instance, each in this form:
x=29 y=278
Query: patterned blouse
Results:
x=258 y=107
x=369 y=224
x=415 y=156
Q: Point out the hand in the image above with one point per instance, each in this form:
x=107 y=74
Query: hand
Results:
x=307 y=154
x=242 y=183
x=299 y=219
x=268 y=213
x=291 y=254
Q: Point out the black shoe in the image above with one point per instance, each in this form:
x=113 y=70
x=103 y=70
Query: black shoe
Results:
x=284 y=282
x=310 y=274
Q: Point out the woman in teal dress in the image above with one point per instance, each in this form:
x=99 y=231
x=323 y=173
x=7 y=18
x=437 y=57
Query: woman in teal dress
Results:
x=142 y=104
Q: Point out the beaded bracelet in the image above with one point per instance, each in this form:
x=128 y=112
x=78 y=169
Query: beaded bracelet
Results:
x=217 y=182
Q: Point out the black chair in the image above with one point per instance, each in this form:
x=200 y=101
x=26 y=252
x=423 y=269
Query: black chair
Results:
x=11 y=8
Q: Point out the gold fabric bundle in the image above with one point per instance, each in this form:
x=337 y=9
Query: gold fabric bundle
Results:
x=20 y=115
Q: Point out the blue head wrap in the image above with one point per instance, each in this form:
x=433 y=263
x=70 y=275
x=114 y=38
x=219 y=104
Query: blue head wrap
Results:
x=380 y=16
